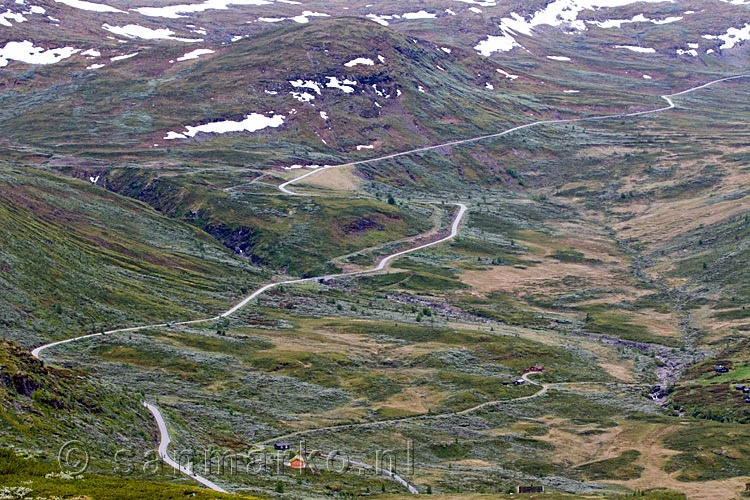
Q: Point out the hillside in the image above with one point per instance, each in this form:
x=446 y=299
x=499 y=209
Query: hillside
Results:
x=501 y=245
x=46 y=482
x=45 y=407
x=78 y=259
x=382 y=106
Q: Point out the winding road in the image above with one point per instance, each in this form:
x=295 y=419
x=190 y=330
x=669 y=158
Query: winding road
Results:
x=165 y=439
x=414 y=418
x=163 y=453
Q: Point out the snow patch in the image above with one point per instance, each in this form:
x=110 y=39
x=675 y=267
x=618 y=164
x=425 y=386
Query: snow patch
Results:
x=305 y=84
x=301 y=19
x=635 y=48
x=252 y=123
x=506 y=74
x=381 y=20
x=555 y=13
x=422 y=14
x=365 y=146
x=176 y=11
x=483 y=3
x=126 y=56
x=17 y=17
x=690 y=52
x=360 y=60
x=639 y=18
x=27 y=53
x=135 y=31
x=345 y=85
x=90 y=6
x=493 y=43
x=380 y=93
x=195 y=54
x=667 y=20
x=732 y=37
x=559 y=58
x=303 y=96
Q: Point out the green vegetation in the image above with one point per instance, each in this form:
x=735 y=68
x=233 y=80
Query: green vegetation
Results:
x=23 y=478
x=502 y=309
x=43 y=407
x=633 y=229
x=573 y=255
x=600 y=318
x=620 y=467
x=416 y=281
x=704 y=393
x=78 y=259
x=709 y=451
x=295 y=234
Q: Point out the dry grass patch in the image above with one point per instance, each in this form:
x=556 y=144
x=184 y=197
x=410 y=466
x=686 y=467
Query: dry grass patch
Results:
x=338 y=179
x=416 y=399
x=661 y=324
x=574 y=447
x=545 y=277
x=648 y=439
x=665 y=220
x=621 y=371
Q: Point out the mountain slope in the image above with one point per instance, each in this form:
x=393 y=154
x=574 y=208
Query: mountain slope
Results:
x=407 y=93
x=78 y=259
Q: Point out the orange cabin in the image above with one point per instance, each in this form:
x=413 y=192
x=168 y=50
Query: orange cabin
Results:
x=297 y=463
